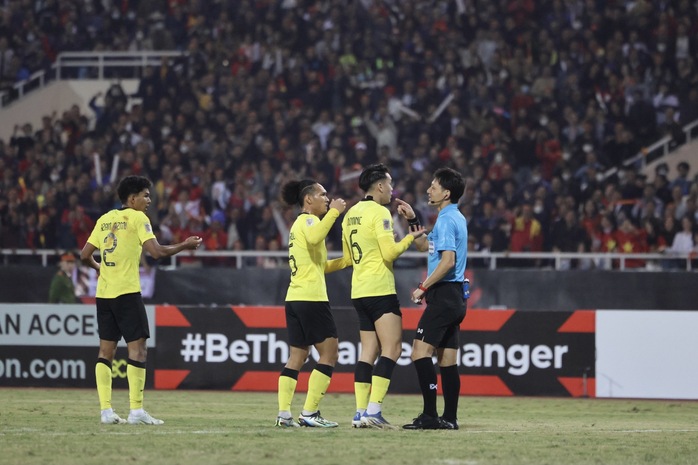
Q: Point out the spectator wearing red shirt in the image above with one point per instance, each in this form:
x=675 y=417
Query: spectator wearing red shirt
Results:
x=526 y=233
x=549 y=152
x=215 y=238
x=590 y=218
x=76 y=225
x=604 y=238
x=630 y=239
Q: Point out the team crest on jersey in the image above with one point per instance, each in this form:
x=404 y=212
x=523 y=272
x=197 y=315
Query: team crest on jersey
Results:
x=308 y=221
x=148 y=229
x=386 y=225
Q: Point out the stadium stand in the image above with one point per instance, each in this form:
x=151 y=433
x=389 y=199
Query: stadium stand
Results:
x=543 y=105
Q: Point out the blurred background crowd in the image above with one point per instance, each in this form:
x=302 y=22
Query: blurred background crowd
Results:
x=534 y=101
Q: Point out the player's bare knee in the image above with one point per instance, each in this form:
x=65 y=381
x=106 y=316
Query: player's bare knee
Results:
x=329 y=358
x=392 y=351
x=139 y=354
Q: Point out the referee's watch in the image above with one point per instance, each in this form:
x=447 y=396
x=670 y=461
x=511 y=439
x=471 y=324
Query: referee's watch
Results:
x=422 y=288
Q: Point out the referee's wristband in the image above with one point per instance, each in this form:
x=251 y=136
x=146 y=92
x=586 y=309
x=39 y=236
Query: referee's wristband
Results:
x=413 y=222
x=422 y=288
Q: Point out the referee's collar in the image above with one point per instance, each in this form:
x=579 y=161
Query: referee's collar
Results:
x=447 y=208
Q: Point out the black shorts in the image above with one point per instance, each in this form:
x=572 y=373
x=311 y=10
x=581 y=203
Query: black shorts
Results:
x=370 y=309
x=309 y=323
x=122 y=316
x=440 y=322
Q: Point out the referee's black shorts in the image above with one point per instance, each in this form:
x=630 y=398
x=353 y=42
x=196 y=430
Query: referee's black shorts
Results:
x=370 y=309
x=309 y=323
x=440 y=322
x=122 y=316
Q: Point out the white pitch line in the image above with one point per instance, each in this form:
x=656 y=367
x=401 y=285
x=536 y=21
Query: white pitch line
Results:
x=117 y=433
x=600 y=431
x=165 y=432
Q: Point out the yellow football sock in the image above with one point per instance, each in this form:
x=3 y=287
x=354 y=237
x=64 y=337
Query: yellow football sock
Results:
x=136 y=383
x=379 y=388
x=103 y=377
x=362 y=391
x=317 y=386
x=287 y=387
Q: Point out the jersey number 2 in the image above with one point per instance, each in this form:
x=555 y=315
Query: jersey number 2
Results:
x=111 y=236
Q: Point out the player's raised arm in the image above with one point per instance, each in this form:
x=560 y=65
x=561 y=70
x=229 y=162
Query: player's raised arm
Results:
x=157 y=250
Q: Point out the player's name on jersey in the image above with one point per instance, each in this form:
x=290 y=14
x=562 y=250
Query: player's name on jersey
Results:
x=115 y=226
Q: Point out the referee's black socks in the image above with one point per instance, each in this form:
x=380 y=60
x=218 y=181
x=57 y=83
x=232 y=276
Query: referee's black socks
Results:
x=427 y=383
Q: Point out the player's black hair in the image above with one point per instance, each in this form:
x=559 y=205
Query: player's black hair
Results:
x=293 y=192
x=452 y=181
x=132 y=185
x=371 y=175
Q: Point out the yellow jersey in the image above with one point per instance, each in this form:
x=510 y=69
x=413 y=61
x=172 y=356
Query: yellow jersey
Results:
x=307 y=257
x=368 y=242
x=119 y=235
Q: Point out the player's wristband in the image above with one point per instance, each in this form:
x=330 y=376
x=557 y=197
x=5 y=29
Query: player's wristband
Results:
x=422 y=288
x=413 y=222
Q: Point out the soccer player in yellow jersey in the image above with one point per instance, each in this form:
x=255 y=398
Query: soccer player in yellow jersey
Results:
x=369 y=244
x=308 y=317
x=119 y=236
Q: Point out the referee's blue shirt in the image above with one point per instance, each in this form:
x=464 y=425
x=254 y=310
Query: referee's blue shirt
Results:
x=450 y=233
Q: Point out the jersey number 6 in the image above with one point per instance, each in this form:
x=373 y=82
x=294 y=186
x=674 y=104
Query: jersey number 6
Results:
x=356 y=253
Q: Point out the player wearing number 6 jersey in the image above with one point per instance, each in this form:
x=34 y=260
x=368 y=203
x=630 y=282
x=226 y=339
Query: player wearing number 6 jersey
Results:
x=369 y=244
x=308 y=316
x=120 y=236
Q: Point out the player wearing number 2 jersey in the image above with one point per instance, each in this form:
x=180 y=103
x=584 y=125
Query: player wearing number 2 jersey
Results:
x=369 y=244
x=308 y=316
x=120 y=236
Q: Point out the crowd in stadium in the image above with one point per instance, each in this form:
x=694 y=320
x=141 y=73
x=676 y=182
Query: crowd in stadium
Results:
x=532 y=100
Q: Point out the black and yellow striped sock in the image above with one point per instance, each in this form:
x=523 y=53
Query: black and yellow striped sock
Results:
x=362 y=384
x=317 y=386
x=287 y=388
x=135 y=372
x=380 y=382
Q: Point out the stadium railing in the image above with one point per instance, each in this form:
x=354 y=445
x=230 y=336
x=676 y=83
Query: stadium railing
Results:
x=657 y=150
x=491 y=260
x=88 y=65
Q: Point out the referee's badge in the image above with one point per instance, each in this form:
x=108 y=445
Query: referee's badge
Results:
x=308 y=221
x=148 y=229
x=386 y=225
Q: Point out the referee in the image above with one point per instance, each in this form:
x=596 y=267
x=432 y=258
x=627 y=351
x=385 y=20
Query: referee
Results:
x=443 y=290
